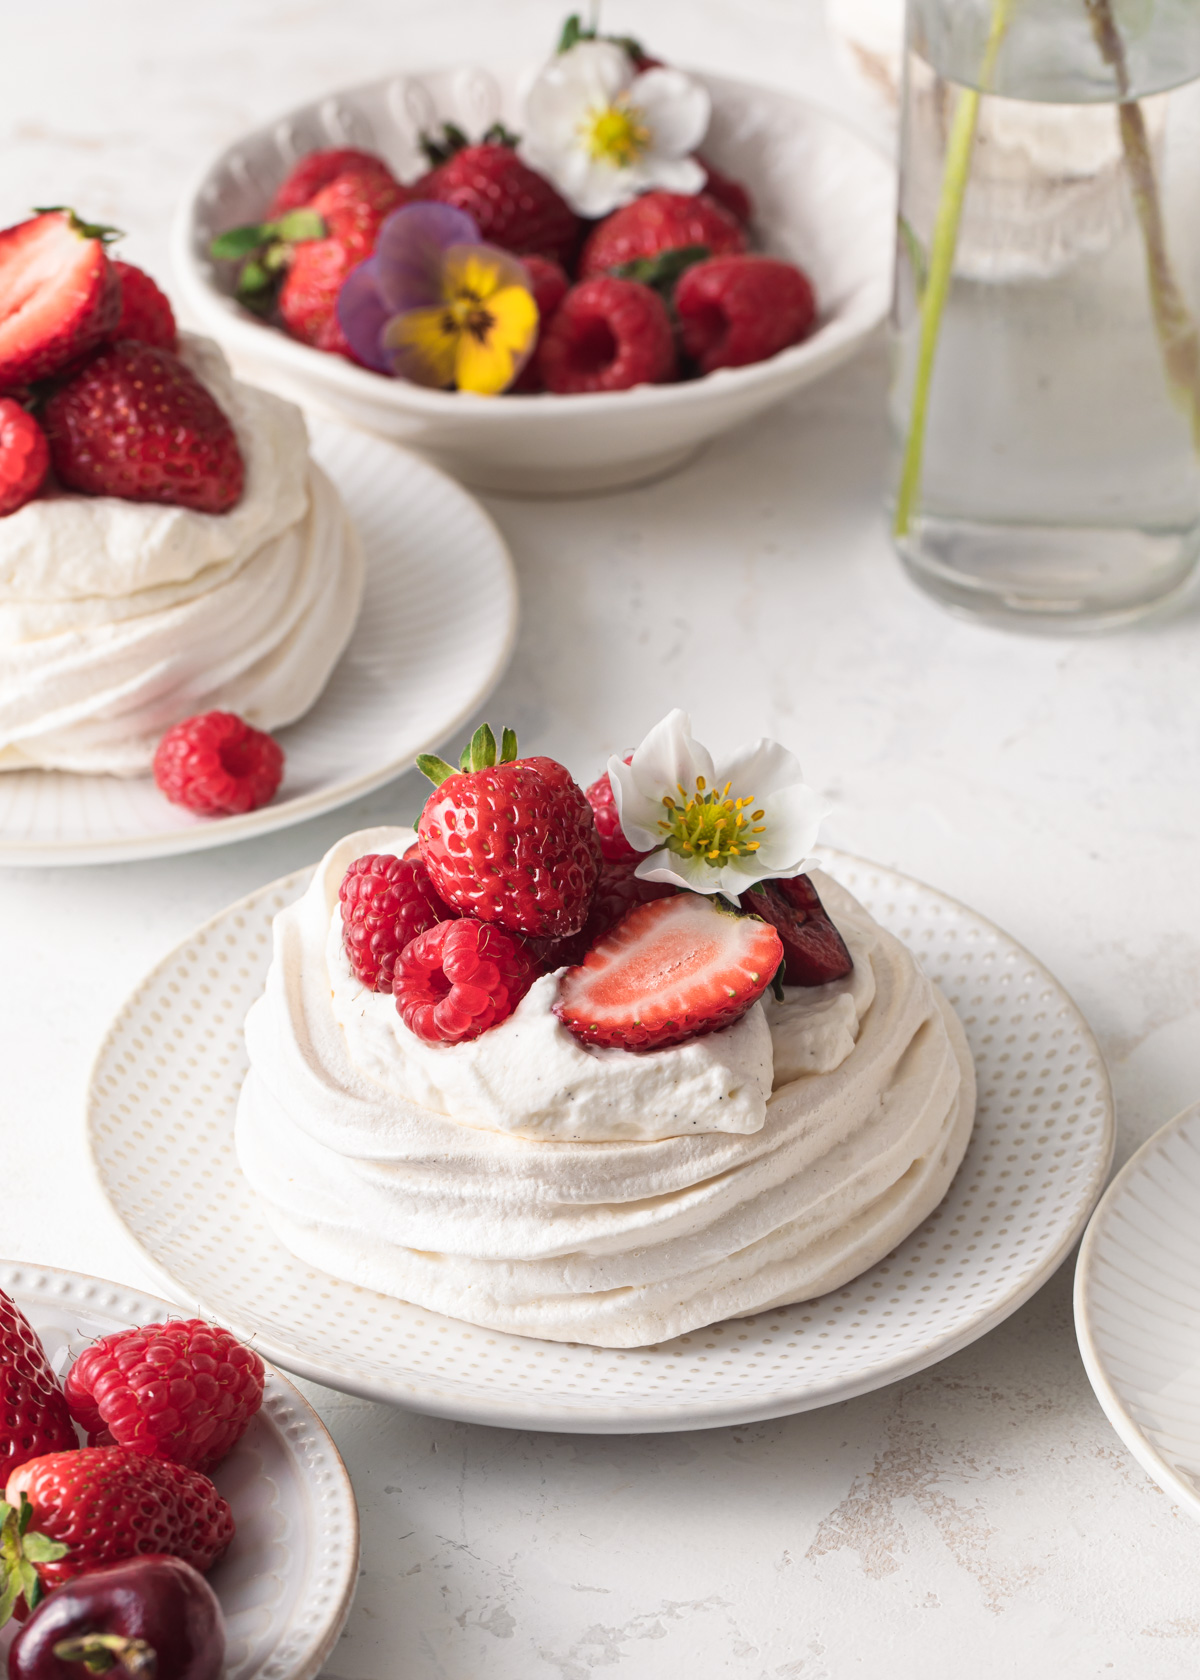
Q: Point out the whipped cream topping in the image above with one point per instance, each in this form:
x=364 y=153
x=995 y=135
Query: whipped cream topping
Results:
x=552 y=1189
x=118 y=618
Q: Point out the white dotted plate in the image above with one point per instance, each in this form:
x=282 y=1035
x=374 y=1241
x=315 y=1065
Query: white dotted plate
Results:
x=161 y=1109
x=435 y=633
x=1137 y=1306
x=286 y=1582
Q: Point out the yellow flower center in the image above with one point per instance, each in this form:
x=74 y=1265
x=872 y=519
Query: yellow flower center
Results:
x=617 y=134
x=707 y=823
x=467 y=314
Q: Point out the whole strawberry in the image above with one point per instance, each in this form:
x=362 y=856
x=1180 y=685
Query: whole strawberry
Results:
x=146 y=313
x=386 y=902
x=59 y=295
x=512 y=205
x=102 y=1504
x=184 y=1391
x=318 y=169
x=660 y=221
x=814 y=952
x=136 y=422
x=352 y=208
x=34 y=1418
x=511 y=841
x=618 y=891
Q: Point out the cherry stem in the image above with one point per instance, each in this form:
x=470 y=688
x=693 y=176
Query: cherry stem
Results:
x=100 y=1652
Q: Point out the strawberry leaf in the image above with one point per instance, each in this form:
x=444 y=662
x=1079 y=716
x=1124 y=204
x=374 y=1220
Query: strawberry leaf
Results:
x=238 y=242
x=429 y=764
x=662 y=271
x=483 y=748
x=508 y=746
x=20 y=1551
x=39 y=1548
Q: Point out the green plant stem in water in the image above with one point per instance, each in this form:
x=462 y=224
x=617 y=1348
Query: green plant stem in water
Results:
x=1178 y=336
x=941 y=264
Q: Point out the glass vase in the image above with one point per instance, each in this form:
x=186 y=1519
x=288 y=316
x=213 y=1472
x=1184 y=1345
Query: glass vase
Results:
x=1045 y=400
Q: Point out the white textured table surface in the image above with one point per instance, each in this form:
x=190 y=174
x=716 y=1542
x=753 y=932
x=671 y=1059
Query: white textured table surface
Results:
x=980 y=1518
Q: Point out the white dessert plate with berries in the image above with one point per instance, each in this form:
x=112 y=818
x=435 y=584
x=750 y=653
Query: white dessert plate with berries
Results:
x=166 y=1086
x=433 y=636
x=630 y=371
x=1137 y=1306
x=286 y=1580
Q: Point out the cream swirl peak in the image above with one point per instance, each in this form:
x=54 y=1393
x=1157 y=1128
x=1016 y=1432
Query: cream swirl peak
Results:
x=449 y=1175
x=119 y=618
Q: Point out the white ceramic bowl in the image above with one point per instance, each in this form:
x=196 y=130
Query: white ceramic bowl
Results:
x=824 y=199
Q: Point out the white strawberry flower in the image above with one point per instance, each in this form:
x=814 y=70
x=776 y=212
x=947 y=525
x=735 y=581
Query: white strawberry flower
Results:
x=602 y=131
x=714 y=828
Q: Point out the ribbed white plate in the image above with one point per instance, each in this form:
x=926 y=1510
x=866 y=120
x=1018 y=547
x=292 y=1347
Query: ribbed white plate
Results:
x=1137 y=1306
x=162 y=1101
x=436 y=629
x=286 y=1582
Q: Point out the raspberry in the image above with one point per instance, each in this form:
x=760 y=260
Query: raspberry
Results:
x=660 y=221
x=184 y=1391
x=614 y=847
x=145 y=312
x=608 y=335
x=386 y=902
x=218 y=765
x=459 y=978
x=24 y=456
x=550 y=287
x=735 y=310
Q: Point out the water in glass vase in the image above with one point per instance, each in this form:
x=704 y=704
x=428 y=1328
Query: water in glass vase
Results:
x=1046 y=391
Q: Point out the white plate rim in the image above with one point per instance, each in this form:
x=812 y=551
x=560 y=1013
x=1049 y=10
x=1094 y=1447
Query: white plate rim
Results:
x=685 y=1416
x=270 y=818
x=31 y=1278
x=1158 y=1468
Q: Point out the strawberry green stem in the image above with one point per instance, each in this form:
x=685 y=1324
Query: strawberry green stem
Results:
x=941 y=264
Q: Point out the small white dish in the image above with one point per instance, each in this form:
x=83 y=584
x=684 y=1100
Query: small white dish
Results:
x=1137 y=1306
x=165 y=1086
x=825 y=199
x=437 y=626
x=286 y=1583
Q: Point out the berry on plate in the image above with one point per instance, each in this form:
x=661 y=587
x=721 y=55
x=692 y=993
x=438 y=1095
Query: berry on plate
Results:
x=217 y=765
x=512 y=206
x=103 y=1504
x=459 y=978
x=59 y=294
x=34 y=1418
x=814 y=952
x=660 y=221
x=145 y=312
x=352 y=209
x=150 y=1616
x=185 y=1390
x=669 y=971
x=24 y=456
x=318 y=169
x=510 y=841
x=608 y=335
x=136 y=422
x=614 y=847
x=386 y=902
x=740 y=309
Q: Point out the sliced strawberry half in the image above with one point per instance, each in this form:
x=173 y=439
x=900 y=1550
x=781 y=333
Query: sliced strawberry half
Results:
x=59 y=294
x=669 y=971
x=814 y=951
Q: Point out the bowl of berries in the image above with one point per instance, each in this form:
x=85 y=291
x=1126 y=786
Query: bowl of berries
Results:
x=549 y=280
